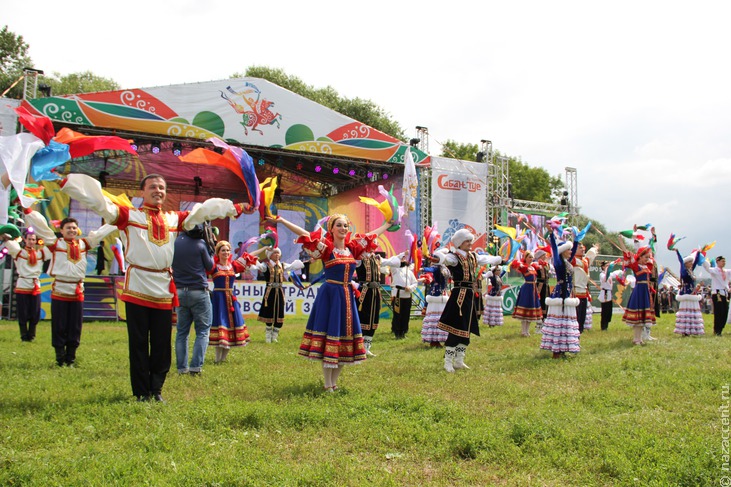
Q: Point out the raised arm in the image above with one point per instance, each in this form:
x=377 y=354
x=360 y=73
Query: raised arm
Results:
x=378 y=231
x=291 y=226
x=260 y=251
x=88 y=191
x=96 y=236
x=34 y=219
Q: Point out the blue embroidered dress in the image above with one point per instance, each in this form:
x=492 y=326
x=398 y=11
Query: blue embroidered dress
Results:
x=333 y=332
x=640 y=309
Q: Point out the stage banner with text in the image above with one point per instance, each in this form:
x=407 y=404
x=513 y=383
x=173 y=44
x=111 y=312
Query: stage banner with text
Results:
x=458 y=198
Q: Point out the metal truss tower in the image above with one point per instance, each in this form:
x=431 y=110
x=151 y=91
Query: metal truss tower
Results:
x=421 y=141
x=501 y=201
x=30 y=83
x=573 y=191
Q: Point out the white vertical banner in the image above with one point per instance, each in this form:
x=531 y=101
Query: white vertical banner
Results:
x=458 y=197
x=409 y=190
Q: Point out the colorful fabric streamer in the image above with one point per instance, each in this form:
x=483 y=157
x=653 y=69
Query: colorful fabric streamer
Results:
x=47 y=159
x=120 y=199
x=16 y=153
x=579 y=235
x=431 y=239
x=508 y=250
x=415 y=254
x=266 y=204
x=673 y=241
x=82 y=145
x=235 y=160
x=502 y=231
x=41 y=127
x=388 y=207
x=246 y=165
x=270 y=238
x=61 y=147
x=118 y=254
x=707 y=247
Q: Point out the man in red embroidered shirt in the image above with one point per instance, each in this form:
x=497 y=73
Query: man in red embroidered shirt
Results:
x=68 y=268
x=148 y=234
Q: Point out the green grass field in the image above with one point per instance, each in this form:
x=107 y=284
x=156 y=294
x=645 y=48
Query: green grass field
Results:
x=615 y=414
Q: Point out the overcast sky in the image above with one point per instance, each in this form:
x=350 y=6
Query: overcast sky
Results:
x=636 y=95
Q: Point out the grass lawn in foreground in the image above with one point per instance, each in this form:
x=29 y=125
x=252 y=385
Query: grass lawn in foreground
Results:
x=615 y=414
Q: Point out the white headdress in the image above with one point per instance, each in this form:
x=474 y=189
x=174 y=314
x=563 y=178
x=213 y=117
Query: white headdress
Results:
x=461 y=236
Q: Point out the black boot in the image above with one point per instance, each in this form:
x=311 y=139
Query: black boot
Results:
x=70 y=357
x=60 y=356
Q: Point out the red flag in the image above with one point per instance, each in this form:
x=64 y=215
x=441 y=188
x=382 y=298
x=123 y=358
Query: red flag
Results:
x=41 y=127
x=83 y=145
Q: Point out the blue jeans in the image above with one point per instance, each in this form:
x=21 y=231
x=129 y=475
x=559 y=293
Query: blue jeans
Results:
x=195 y=306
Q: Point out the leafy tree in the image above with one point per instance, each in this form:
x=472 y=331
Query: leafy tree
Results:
x=85 y=82
x=463 y=152
x=357 y=108
x=533 y=183
x=13 y=58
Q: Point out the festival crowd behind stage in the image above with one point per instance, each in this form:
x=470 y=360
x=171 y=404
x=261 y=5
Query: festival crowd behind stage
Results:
x=171 y=260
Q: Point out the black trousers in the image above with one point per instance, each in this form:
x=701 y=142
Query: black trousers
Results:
x=66 y=320
x=720 y=312
x=149 y=331
x=401 y=315
x=606 y=314
x=454 y=340
x=29 y=313
x=581 y=313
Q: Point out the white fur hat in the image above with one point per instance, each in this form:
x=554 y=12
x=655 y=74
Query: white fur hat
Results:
x=461 y=236
x=563 y=247
x=689 y=258
x=269 y=252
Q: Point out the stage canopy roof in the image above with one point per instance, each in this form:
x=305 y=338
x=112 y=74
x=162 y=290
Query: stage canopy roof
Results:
x=317 y=151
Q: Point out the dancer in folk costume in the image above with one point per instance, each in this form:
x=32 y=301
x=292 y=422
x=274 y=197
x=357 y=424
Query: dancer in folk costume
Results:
x=653 y=282
x=561 y=328
x=403 y=283
x=68 y=268
x=333 y=334
x=492 y=314
x=606 y=285
x=528 y=305
x=228 y=329
x=29 y=264
x=688 y=319
x=437 y=277
x=581 y=263
x=640 y=311
x=720 y=278
x=368 y=273
x=274 y=271
x=543 y=256
x=460 y=317
x=149 y=292
x=589 y=309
